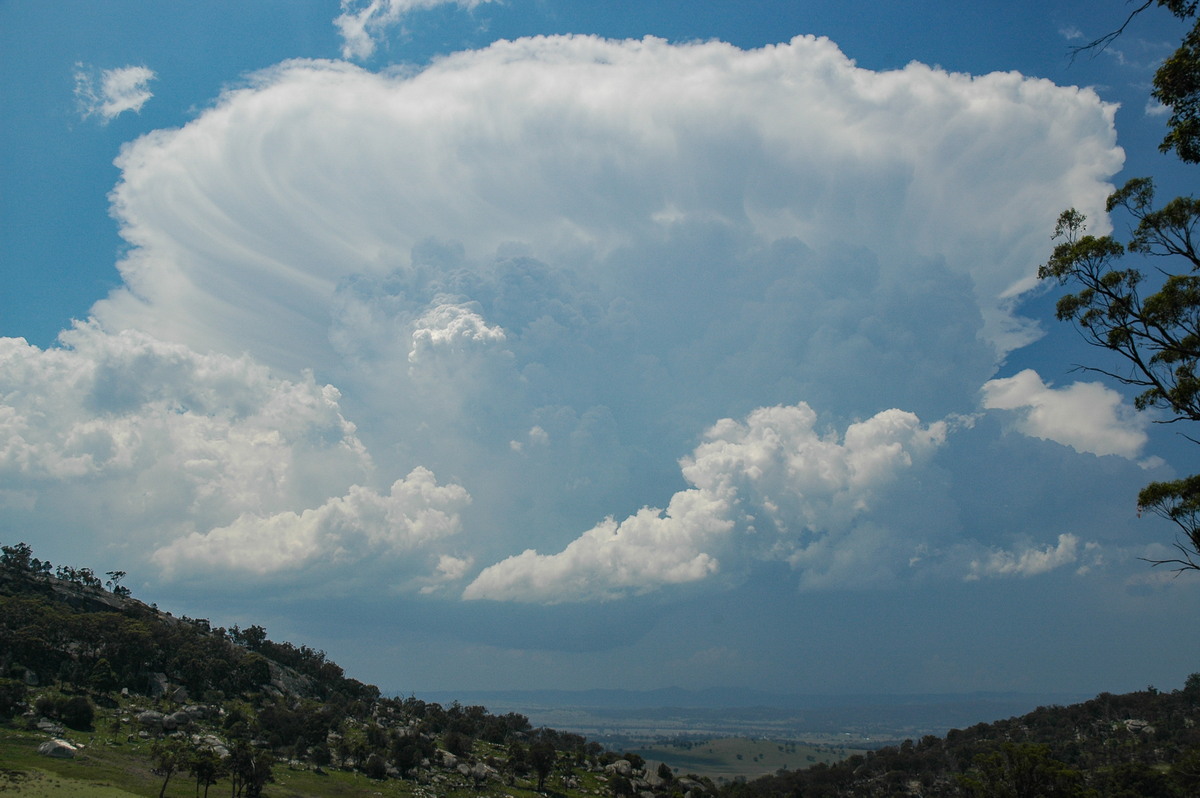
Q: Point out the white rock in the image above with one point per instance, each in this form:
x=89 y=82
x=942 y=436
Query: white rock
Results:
x=60 y=749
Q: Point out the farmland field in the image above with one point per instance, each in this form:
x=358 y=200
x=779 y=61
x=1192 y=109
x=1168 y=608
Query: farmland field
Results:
x=733 y=757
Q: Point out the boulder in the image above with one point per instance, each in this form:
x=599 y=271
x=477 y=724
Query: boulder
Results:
x=198 y=711
x=288 y=682
x=151 y=719
x=212 y=743
x=60 y=749
x=49 y=727
x=176 y=720
x=158 y=685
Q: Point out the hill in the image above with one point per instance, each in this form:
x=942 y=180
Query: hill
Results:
x=1145 y=743
x=103 y=695
x=122 y=699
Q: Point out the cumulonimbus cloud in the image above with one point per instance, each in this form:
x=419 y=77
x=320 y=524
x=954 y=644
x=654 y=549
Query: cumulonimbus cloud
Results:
x=539 y=270
x=572 y=148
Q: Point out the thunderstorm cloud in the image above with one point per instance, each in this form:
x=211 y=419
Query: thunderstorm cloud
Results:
x=565 y=319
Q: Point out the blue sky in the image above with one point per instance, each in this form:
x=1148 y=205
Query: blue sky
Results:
x=553 y=344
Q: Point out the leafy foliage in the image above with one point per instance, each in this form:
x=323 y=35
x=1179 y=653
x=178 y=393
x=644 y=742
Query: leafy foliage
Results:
x=1177 y=81
x=1150 y=319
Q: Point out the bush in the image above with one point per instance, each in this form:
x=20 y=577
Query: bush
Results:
x=375 y=767
x=76 y=711
x=457 y=743
x=12 y=697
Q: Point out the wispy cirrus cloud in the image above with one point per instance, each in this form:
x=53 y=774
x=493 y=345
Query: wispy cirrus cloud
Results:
x=362 y=22
x=111 y=92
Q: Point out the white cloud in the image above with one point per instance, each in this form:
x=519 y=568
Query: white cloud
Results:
x=539 y=270
x=1031 y=561
x=569 y=148
x=130 y=406
x=1086 y=416
x=362 y=22
x=207 y=464
x=360 y=526
x=643 y=553
x=121 y=90
x=452 y=327
x=812 y=491
x=450 y=570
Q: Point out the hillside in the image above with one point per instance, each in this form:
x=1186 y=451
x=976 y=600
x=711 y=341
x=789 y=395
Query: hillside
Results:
x=126 y=700
x=1145 y=743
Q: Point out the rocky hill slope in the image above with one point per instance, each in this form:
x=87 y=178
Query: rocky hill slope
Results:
x=89 y=674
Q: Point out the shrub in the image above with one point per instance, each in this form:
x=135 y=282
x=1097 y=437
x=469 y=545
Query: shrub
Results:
x=74 y=711
x=12 y=697
x=375 y=767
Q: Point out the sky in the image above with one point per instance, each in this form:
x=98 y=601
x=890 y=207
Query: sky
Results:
x=544 y=344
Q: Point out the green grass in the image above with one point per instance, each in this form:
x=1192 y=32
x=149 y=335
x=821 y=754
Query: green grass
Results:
x=43 y=784
x=110 y=766
x=114 y=763
x=101 y=768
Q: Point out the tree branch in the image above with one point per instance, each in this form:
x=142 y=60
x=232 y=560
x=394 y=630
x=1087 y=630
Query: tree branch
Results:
x=1099 y=45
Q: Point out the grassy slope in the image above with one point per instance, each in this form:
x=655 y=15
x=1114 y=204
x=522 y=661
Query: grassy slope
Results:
x=110 y=766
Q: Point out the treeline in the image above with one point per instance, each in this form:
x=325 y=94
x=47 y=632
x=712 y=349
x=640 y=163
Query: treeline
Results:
x=1145 y=743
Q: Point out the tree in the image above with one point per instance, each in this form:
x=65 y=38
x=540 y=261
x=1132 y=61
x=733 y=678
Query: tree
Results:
x=17 y=558
x=249 y=769
x=620 y=786
x=1023 y=770
x=168 y=757
x=542 y=757
x=1177 y=81
x=114 y=583
x=1151 y=321
x=206 y=767
x=103 y=677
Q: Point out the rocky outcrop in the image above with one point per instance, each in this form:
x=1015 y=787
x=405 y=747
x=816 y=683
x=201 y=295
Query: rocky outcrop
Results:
x=288 y=682
x=59 y=749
